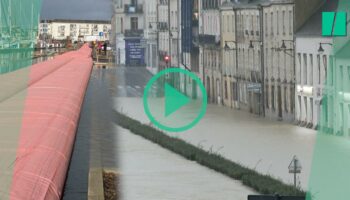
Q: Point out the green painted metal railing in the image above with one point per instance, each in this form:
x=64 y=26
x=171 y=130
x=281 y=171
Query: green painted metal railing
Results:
x=19 y=22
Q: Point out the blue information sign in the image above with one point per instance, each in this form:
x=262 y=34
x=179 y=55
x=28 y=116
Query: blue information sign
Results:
x=135 y=53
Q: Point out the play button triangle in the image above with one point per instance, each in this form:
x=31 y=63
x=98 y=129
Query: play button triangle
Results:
x=174 y=100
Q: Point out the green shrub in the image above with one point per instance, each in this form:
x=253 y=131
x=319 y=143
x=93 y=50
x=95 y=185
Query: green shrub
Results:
x=263 y=184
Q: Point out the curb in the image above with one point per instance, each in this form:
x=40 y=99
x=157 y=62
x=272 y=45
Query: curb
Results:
x=96 y=189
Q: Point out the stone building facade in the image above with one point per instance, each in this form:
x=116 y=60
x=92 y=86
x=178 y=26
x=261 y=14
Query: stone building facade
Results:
x=210 y=50
x=229 y=55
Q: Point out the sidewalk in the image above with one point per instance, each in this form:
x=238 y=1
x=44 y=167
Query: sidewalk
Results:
x=261 y=144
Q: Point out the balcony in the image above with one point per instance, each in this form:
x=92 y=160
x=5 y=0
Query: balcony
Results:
x=208 y=39
x=133 y=9
x=133 y=33
x=162 y=26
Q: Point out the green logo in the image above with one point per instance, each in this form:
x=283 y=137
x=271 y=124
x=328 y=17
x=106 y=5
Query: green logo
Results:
x=334 y=24
x=171 y=100
x=174 y=100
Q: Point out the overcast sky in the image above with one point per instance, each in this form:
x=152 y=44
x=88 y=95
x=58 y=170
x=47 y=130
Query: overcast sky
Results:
x=77 y=9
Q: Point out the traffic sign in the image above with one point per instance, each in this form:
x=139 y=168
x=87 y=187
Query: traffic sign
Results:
x=254 y=87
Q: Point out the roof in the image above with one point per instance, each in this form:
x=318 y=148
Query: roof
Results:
x=77 y=21
x=313 y=26
x=252 y=3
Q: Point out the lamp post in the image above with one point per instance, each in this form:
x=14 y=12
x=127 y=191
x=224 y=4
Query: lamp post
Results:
x=157 y=39
x=292 y=54
x=262 y=84
x=285 y=49
x=320 y=49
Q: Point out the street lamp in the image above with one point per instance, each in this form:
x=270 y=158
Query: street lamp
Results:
x=150 y=24
x=284 y=47
x=251 y=46
x=227 y=47
x=262 y=83
x=320 y=49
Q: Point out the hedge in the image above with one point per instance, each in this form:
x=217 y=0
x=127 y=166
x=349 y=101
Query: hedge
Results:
x=263 y=184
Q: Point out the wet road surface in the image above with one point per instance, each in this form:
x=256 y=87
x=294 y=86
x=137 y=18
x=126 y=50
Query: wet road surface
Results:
x=95 y=141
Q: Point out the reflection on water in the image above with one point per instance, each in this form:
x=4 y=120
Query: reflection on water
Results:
x=268 y=146
x=149 y=172
x=14 y=59
x=95 y=141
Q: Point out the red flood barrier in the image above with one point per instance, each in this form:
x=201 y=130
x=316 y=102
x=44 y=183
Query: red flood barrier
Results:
x=50 y=118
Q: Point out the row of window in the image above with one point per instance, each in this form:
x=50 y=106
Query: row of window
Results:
x=307 y=71
x=248 y=24
x=211 y=59
x=210 y=24
x=278 y=97
x=210 y=4
x=279 y=23
x=278 y=64
x=273 y=98
x=305 y=109
x=227 y=22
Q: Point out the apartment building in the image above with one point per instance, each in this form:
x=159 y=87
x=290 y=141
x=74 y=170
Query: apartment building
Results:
x=75 y=30
x=129 y=24
x=229 y=55
x=210 y=48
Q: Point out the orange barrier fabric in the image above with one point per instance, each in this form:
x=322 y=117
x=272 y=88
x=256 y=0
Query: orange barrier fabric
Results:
x=52 y=108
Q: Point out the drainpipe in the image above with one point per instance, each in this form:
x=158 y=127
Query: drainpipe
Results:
x=262 y=50
x=236 y=46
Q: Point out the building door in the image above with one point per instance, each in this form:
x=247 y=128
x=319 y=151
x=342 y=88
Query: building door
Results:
x=208 y=89
x=218 y=91
x=279 y=102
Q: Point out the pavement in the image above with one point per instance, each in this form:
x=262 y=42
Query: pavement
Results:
x=95 y=141
x=131 y=81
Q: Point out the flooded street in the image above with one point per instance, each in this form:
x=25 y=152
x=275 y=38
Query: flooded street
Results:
x=261 y=144
x=149 y=172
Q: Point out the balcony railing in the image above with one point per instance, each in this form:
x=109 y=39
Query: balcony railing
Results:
x=133 y=32
x=163 y=26
x=208 y=39
x=133 y=9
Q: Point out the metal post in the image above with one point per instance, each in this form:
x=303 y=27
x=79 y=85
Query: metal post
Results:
x=170 y=39
x=295 y=172
x=157 y=39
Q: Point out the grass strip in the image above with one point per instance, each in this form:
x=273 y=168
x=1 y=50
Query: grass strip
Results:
x=110 y=184
x=263 y=184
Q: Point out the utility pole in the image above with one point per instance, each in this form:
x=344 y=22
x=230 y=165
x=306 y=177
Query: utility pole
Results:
x=157 y=39
x=170 y=38
x=178 y=32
